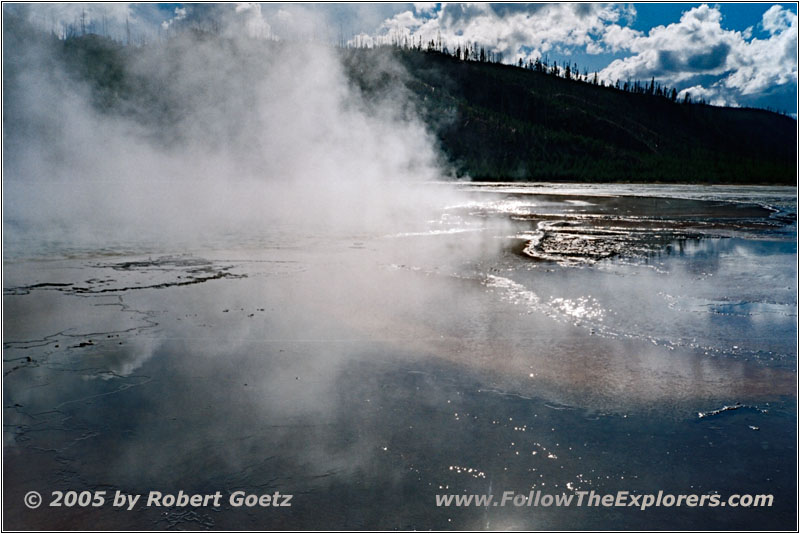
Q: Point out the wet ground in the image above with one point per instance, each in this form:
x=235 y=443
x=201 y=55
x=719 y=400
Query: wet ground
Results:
x=528 y=338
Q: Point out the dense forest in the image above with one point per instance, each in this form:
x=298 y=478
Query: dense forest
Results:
x=493 y=121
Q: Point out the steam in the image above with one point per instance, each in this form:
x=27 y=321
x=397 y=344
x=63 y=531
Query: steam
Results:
x=254 y=134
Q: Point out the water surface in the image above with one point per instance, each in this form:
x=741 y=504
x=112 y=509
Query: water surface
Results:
x=551 y=337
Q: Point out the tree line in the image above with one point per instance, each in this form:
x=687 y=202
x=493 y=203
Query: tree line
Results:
x=567 y=70
x=463 y=52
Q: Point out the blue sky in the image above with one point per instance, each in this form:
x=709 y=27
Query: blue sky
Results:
x=739 y=54
x=729 y=54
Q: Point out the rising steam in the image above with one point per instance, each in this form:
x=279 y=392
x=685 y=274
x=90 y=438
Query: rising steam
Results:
x=250 y=133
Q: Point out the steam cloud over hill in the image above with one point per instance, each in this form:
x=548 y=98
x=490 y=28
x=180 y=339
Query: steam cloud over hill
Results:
x=201 y=134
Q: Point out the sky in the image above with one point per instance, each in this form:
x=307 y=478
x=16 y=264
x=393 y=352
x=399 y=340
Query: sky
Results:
x=736 y=54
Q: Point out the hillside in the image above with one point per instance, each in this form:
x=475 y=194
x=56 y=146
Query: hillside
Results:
x=500 y=122
x=492 y=121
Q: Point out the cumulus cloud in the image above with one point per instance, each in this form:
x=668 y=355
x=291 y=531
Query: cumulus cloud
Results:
x=618 y=37
x=698 y=46
x=254 y=23
x=695 y=44
x=712 y=95
x=776 y=19
x=180 y=14
x=513 y=30
x=762 y=63
x=697 y=53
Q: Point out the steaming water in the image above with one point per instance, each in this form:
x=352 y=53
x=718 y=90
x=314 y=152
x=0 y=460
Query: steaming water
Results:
x=552 y=337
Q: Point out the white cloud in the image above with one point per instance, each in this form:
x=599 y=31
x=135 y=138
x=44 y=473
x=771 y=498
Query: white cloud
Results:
x=731 y=66
x=679 y=51
x=712 y=95
x=720 y=64
x=762 y=63
x=698 y=45
x=180 y=14
x=515 y=30
x=618 y=37
x=254 y=23
x=776 y=19
x=404 y=24
x=425 y=7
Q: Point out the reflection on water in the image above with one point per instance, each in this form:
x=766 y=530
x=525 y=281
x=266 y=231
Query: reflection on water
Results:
x=365 y=374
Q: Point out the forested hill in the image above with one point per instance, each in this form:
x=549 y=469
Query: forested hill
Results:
x=502 y=122
x=492 y=121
